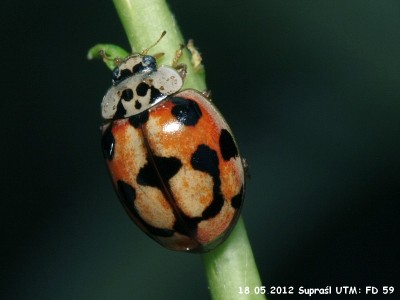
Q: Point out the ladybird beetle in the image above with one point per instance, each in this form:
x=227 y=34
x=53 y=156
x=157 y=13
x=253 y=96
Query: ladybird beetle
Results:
x=171 y=155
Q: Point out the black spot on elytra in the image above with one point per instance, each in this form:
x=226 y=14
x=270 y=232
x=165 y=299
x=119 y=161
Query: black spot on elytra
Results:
x=163 y=232
x=215 y=207
x=128 y=196
x=158 y=171
x=206 y=160
x=127 y=95
x=141 y=89
x=186 y=111
x=227 y=145
x=139 y=119
x=138 y=105
x=237 y=200
x=187 y=225
x=108 y=143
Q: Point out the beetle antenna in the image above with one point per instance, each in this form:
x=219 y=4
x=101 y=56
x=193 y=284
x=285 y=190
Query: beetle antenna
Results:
x=117 y=61
x=144 y=52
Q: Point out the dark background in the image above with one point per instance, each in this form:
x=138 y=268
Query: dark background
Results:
x=312 y=92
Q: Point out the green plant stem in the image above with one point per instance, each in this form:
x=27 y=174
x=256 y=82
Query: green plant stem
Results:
x=231 y=266
x=111 y=52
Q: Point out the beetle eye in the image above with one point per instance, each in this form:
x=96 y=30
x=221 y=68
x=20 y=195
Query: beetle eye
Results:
x=148 y=60
x=115 y=74
x=149 y=63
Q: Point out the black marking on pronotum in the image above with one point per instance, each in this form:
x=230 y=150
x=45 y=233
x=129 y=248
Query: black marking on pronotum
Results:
x=227 y=145
x=155 y=94
x=186 y=111
x=166 y=168
x=138 y=105
x=141 y=89
x=120 y=112
x=205 y=159
x=128 y=196
x=238 y=199
x=108 y=143
x=139 y=119
x=127 y=95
